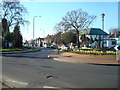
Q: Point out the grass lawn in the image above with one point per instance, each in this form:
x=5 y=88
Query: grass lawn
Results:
x=17 y=49
x=11 y=49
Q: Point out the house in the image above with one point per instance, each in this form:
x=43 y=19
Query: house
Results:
x=36 y=42
x=98 y=36
x=114 y=39
x=39 y=42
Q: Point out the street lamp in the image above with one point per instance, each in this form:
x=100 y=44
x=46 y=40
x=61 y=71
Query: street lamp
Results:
x=34 y=26
x=102 y=15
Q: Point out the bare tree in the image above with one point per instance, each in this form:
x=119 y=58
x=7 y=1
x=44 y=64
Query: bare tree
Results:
x=13 y=12
x=114 y=30
x=76 y=20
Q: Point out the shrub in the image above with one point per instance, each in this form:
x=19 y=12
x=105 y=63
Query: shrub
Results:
x=93 y=52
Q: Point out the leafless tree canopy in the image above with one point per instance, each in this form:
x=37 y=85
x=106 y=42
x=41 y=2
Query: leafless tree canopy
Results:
x=13 y=12
x=76 y=19
x=114 y=30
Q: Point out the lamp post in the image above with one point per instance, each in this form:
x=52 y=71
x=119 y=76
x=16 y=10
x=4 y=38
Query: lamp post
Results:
x=102 y=15
x=34 y=26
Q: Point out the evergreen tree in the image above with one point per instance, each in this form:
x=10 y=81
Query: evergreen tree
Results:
x=69 y=37
x=17 y=37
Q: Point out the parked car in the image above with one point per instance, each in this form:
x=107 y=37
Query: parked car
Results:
x=46 y=46
x=64 y=47
x=54 y=46
x=114 y=48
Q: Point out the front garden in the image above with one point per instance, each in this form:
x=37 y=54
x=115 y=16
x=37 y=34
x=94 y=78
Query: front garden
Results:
x=92 y=52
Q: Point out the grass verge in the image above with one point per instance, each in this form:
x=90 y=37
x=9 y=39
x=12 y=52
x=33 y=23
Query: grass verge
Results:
x=17 y=49
x=11 y=50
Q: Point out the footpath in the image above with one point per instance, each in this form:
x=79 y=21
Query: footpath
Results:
x=88 y=59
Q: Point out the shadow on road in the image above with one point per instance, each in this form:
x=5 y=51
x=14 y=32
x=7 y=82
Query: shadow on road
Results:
x=21 y=56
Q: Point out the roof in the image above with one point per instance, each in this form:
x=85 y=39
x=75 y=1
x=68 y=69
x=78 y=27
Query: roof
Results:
x=94 y=31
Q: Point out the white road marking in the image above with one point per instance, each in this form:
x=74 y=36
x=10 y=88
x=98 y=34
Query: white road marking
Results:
x=49 y=87
x=17 y=82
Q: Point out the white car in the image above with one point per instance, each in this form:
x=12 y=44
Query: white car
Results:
x=46 y=46
x=117 y=47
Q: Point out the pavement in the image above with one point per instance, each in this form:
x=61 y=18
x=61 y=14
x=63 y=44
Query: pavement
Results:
x=3 y=85
x=87 y=59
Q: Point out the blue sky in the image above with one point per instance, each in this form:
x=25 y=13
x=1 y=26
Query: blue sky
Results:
x=52 y=12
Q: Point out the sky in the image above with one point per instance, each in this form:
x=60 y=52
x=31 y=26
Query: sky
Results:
x=52 y=13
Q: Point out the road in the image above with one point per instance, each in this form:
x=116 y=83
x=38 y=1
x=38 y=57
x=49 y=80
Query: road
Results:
x=36 y=70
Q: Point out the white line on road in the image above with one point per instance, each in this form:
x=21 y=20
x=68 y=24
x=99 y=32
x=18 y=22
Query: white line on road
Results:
x=18 y=82
x=49 y=87
x=13 y=83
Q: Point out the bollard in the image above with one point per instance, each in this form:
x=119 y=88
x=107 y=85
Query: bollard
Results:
x=118 y=56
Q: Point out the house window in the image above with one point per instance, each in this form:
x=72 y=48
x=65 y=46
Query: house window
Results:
x=114 y=43
x=105 y=42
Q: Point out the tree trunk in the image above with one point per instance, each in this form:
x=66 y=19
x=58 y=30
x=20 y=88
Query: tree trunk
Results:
x=3 y=43
x=5 y=31
x=78 y=42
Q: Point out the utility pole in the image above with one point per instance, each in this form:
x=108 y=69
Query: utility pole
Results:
x=34 y=27
x=102 y=15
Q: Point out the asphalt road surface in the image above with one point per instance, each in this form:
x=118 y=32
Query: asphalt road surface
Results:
x=37 y=70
